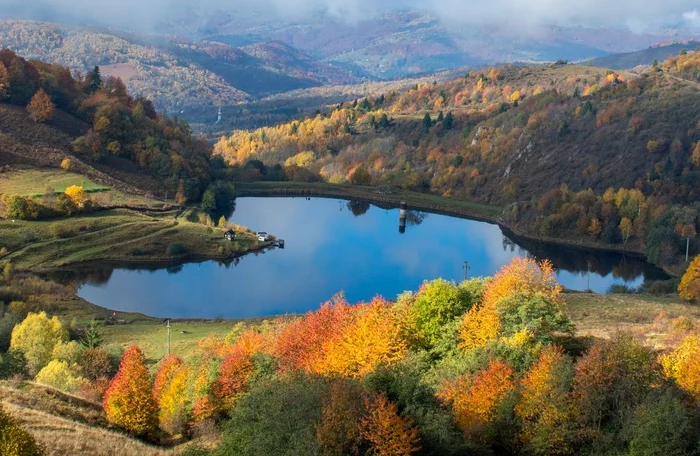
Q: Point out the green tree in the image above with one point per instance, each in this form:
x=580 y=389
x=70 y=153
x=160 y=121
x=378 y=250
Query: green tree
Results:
x=208 y=201
x=94 y=80
x=384 y=121
x=440 y=117
x=438 y=303
x=21 y=208
x=427 y=121
x=36 y=337
x=92 y=338
x=361 y=176
x=448 y=123
x=661 y=427
x=537 y=313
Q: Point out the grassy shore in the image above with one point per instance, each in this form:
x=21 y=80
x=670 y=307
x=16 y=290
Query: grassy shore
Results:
x=117 y=235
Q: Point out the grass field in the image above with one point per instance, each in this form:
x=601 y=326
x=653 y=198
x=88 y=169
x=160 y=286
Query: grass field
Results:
x=34 y=182
x=415 y=200
x=651 y=318
x=118 y=235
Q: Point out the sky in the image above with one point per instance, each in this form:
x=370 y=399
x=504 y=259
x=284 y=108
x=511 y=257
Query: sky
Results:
x=636 y=15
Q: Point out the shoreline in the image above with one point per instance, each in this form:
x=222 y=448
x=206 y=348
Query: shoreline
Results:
x=422 y=202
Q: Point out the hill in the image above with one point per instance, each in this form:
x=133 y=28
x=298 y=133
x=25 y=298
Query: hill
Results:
x=532 y=135
x=174 y=72
x=630 y=60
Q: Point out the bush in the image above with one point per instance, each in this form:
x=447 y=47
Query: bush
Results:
x=95 y=363
x=69 y=352
x=176 y=249
x=277 y=417
x=59 y=375
x=12 y=363
x=15 y=441
x=620 y=288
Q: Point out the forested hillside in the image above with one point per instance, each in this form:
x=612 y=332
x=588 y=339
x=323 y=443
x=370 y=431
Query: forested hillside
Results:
x=175 y=73
x=46 y=112
x=534 y=136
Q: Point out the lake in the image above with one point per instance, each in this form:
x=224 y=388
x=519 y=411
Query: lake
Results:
x=335 y=245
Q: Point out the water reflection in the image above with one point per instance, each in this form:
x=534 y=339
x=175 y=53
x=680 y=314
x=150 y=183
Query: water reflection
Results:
x=356 y=250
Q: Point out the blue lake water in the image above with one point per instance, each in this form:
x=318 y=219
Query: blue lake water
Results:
x=331 y=246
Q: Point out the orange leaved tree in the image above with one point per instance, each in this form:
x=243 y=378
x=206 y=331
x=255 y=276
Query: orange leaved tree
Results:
x=301 y=344
x=234 y=377
x=41 y=108
x=129 y=402
x=388 y=433
x=475 y=399
x=374 y=337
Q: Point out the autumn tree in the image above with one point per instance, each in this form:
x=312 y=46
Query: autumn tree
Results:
x=543 y=405
x=41 y=108
x=168 y=367
x=36 y=337
x=626 y=229
x=342 y=409
x=521 y=276
x=59 y=375
x=388 y=433
x=372 y=338
x=66 y=164
x=173 y=404
x=361 y=176
x=4 y=82
x=683 y=366
x=302 y=343
x=610 y=380
x=76 y=194
x=689 y=288
x=475 y=399
x=129 y=402
x=234 y=377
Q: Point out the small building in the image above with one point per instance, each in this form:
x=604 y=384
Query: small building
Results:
x=230 y=235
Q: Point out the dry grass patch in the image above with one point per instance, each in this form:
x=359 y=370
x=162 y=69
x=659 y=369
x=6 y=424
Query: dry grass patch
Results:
x=662 y=321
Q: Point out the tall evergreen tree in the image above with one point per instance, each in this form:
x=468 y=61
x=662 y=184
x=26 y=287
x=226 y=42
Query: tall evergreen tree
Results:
x=94 y=80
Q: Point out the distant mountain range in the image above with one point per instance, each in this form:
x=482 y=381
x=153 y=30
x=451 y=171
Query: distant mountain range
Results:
x=629 y=60
x=176 y=73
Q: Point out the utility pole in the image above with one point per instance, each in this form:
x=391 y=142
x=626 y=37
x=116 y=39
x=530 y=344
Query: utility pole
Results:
x=168 y=326
x=466 y=269
x=687 y=247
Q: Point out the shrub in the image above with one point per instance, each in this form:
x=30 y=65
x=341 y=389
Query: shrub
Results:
x=661 y=426
x=59 y=375
x=129 y=402
x=12 y=364
x=41 y=108
x=176 y=249
x=36 y=337
x=95 y=363
x=66 y=164
x=683 y=365
x=174 y=406
x=15 y=441
x=67 y=351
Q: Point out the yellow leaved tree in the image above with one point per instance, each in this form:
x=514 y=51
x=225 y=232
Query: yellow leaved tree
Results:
x=76 y=194
x=36 y=337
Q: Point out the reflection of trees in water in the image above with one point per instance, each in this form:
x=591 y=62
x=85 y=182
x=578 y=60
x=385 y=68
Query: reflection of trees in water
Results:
x=358 y=208
x=93 y=275
x=575 y=260
x=415 y=218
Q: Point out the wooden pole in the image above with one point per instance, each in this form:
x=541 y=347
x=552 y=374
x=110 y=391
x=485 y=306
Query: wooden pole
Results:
x=168 y=326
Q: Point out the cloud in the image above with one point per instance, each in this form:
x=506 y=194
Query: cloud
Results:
x=506 y=14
